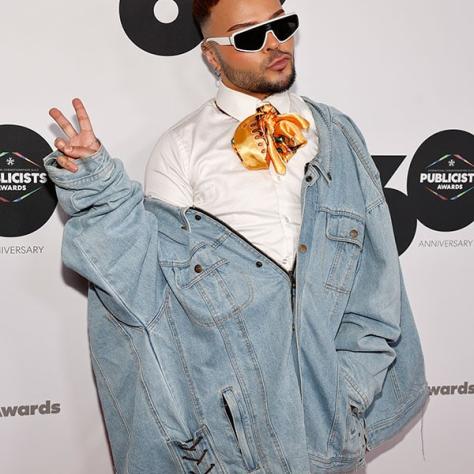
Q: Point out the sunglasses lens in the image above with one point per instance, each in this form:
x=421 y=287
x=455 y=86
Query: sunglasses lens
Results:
x=285 y=27
x=253 y=39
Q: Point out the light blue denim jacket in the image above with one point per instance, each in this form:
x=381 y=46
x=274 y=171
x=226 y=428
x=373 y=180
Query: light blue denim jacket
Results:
x=210 y=357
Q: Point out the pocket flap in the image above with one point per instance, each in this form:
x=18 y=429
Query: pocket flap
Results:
x=202 y=261
x=345 y=227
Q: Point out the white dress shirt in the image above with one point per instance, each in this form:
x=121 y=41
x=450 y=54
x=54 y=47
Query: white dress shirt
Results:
x=193 y=164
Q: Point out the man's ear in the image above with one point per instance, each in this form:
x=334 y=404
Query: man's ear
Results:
x=210 y=56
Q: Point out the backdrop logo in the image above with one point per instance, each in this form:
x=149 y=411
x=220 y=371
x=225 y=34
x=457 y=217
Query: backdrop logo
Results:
x=160 y=27
x=20 y=177
x=445 y=180
x=439 y=186
x=46 y=408
x=464 y=389
x=27 y=196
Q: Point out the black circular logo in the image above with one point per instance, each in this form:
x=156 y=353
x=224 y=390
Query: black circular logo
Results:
x=441 y=180
x=27 y=196
x=440 y=186
x=141 y=22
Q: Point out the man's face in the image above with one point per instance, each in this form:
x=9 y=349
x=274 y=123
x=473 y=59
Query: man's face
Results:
x=245 y=71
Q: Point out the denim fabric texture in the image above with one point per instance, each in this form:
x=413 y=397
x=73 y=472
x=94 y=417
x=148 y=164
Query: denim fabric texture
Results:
x=210 y=357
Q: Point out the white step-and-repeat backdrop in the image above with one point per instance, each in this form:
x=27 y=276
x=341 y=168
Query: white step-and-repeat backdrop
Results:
x=402 y=70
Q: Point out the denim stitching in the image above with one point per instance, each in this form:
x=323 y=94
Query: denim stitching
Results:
x=373 y=174
x=260 y=379
x=382 y=424
x=396 y=386
x=241 y=381
x=195 y=399
x=112 y=395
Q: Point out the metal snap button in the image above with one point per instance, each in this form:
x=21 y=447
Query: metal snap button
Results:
x=197 y=217
x=302 y=248
x=309 y=178
x=198 y=268
x=258 y=263
x=354 y=233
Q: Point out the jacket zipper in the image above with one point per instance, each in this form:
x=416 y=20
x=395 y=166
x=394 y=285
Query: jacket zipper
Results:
x=292 y=290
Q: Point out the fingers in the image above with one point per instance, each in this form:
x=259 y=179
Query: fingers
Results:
x=71 y=151
x=82 y=117
x=63 y=122
x=67 y=163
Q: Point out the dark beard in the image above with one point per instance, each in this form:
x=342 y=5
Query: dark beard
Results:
x=254 y=83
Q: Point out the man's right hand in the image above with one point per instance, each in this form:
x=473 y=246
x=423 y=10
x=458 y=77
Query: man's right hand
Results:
x=77 y=145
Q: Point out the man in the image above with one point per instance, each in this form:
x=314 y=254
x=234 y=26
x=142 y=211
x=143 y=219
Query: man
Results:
x=193 y=163
x=268 y=329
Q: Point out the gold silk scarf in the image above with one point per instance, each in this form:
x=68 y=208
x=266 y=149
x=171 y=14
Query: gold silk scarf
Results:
x=268 y=137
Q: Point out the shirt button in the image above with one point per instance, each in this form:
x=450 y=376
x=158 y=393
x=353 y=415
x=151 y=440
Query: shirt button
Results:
x=198 y=268
x=302 y=248
x=354 y=233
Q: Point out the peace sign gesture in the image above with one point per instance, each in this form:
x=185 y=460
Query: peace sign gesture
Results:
x=77 y=145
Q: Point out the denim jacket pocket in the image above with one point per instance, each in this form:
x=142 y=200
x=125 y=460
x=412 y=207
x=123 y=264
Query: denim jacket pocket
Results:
x=209 y=287
x=345 y=233
x=240 y=423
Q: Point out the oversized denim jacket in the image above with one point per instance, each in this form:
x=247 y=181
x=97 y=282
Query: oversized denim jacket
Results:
x=210 y=357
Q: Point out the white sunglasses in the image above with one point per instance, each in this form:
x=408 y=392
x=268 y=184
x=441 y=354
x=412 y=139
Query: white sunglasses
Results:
x=254 y=37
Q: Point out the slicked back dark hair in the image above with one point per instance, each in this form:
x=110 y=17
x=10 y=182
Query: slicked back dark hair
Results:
x=202 y=11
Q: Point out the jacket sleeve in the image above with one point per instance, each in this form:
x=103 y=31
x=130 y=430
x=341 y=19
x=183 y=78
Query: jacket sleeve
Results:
x=110 y=238
x=371 y=320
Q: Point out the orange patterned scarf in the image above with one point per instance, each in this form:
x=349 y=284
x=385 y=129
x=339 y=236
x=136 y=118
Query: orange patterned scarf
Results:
x=268 y=137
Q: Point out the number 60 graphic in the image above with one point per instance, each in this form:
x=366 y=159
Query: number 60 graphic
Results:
x=440 y=186
x=156 y=37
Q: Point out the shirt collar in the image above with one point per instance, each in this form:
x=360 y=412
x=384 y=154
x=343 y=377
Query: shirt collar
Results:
x=241 y=105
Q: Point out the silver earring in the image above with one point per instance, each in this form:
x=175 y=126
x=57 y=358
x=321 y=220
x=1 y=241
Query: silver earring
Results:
x=218 y=77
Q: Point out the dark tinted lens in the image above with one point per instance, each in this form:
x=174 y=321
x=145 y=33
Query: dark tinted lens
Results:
x=285 y=27
x=253 y=39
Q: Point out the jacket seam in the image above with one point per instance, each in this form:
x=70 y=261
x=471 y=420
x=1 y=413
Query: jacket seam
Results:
x=382 y=424
x=360 y=156
x=353 y=384
x=260 y=379
x=113 y=293
x=191 y=385
x=111 y=393
x=142 y=380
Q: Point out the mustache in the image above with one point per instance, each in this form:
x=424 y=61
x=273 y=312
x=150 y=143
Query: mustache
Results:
x=278 y=56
